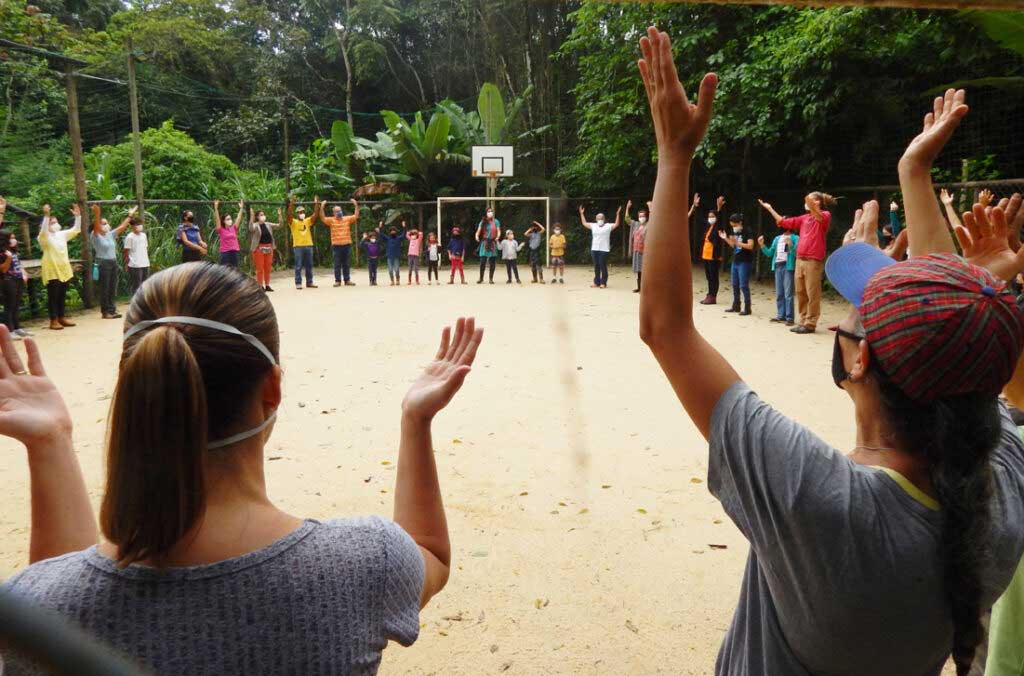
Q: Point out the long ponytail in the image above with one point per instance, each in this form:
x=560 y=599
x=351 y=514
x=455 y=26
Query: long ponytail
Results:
x=160 y=422
x=154 y=469
x=956 y=434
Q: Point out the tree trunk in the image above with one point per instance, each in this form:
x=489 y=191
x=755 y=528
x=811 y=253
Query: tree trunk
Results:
x=343 y=39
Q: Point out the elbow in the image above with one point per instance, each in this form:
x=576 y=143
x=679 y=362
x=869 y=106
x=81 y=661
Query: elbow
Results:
x=660 y=329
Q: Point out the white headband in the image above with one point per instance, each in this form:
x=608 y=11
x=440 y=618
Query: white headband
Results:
x=226 y=328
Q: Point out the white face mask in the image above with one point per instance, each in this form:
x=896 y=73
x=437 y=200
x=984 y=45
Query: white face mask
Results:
x=137 y=229
x=105 y=228
x=807 y=207
x=490 y=214
x=263 y=219
x=54 y=228
x=558 y=231
x=737 y=231
x=712 y=220
x=13 y=243
x=373 y=239
x=643 y=219
x=227 y=222
x=600 y=221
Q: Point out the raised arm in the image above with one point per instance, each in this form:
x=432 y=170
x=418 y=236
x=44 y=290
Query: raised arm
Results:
x=216 y=220
x=771 y=210
x=318 y=212
x=241 y=214
x=698 y=373
x=76 y=228
x=583 y=219
x=355 y=208
x=291 y=209
x=97 y=216
x=947 y=203
x=33 y=412
x=3 y=209
x=629 y=203
x=539 y=226
x=693 y=205
x=126 y=221
x=894 y=218
x=618 y=218
x=419 y=508
x=925 y=225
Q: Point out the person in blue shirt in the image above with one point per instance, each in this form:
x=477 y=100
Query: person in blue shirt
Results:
x=393 y=240
x=782 y=254
x=193 y=248
x=457 y=254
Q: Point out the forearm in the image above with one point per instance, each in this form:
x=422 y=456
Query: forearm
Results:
x=62 y=516
x=925 y=227
x=418 y=505
x=954 y=220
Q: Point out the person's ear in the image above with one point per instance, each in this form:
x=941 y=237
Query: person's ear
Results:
x=270 y=394
x=863 y=363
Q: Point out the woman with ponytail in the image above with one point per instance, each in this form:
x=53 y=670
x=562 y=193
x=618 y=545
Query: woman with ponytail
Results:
x=198 y=571
x=879 y=560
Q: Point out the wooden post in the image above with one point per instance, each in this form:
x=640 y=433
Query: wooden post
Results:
x=81 y=197
x=133 y=99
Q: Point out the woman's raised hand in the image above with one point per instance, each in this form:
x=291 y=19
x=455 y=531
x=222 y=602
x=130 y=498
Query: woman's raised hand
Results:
x=679 y=125
x=444 y=376
x=31 y=409
x=983 y=238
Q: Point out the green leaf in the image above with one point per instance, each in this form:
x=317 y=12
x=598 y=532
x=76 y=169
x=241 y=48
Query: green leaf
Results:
x=436 y=137
x=1007 y=83
x=343 y=139
x=492 y=112
x=1006 y=28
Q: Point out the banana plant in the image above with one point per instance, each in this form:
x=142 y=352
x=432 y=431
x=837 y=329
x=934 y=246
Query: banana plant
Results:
x=1005 y=28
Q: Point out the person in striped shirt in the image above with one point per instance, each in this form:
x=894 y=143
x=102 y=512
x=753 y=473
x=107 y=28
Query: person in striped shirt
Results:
x=341 y=239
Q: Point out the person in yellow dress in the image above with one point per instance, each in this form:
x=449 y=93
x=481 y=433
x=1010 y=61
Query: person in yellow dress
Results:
x=56 y=263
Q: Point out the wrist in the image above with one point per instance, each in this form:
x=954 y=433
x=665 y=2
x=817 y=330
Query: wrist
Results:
x=913 y=168
x=56 y=441
x=415 y=420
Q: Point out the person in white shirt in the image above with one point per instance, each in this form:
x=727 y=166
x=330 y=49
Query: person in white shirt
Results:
x=136 y=245
x=600 y=245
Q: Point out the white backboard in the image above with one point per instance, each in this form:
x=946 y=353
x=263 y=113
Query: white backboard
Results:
x=496 y=159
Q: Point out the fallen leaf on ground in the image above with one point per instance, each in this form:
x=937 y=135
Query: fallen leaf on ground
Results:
x=274 y=457
x=696 y=480
x=718 y=546
x=525 y=493
x=642 y=510
x=606 y=485
x=632 y=627
x=583 y=511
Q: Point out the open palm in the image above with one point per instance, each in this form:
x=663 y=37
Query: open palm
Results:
x=31 y=408
x=444 y=376
x=983 y=238
x=939 y=125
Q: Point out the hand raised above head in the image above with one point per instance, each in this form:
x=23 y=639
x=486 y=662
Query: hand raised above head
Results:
x=945 y=197
x=444 y=376
x=938 y=127
x=31 y=409
x=985 y=243
x=679 y=125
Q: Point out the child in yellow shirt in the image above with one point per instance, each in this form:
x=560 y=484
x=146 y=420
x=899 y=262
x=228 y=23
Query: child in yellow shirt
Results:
x=557 y=244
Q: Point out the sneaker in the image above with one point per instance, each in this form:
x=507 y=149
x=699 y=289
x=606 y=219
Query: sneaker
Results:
x=802 y=330
x=23 y=333
x=636 y=290
x=734 y=308
x=268 y=289
x=350 y=283
x=15 y=336
x=311 y=286
x=776 y=320
x=604 y=286
x=561 y=280
x=509 y=281
x=337 y=284
x=745 y=313
x=450 y=282
x=518 y=282
x=465 y=282
x=298 y=287
x=482 y=281
x=554 y=281
x=790 y=322
x=491 y=281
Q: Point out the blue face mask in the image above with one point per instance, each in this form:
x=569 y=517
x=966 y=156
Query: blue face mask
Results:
x=226 y=328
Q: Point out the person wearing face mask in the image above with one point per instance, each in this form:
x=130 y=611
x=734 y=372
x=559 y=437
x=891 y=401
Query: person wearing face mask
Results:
x=488 y=232
x=810 y=255
x=340 y=226
x=104 y=246
x=741 y=240
x=534 y=236
x=189 y=237
x=557 y=244
x=373 y=250
x=457 y=254
x=782 y=254
x=392 y=240
x=262 y=246
x=227 y=233
x=711 y=250
x=880 y=560
x=302 y=241
x=600 y=244
x=136 y=247
x=637 y=233
x=13 y=280
x=56 y=264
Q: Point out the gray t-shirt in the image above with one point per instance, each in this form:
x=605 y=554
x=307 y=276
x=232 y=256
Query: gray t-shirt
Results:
x=534 y=239
x=324 y=599
x=104 y=245
x=845 y=570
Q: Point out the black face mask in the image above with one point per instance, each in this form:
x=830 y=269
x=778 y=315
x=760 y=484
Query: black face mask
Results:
x=839 y=373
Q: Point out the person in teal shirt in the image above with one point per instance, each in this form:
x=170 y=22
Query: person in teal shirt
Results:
x=782 y=254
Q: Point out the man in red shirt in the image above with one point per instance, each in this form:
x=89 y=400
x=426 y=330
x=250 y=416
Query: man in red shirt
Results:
x=810 y=255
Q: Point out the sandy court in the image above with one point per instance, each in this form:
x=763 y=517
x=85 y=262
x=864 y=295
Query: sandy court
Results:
x=574 y=482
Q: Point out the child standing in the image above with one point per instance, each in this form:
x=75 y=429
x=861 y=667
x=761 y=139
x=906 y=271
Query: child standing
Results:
x=782 y=254
x=373 y=250
x=533 y=237
x=456 y=254
x=433 y=257
x=742 y=242
x=415 y=244
x=557 y=244
x=637 y=235
x=136 y=244
x=510 y=249
x=393 y=250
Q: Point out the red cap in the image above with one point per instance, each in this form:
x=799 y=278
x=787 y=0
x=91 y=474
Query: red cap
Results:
x=939 y=326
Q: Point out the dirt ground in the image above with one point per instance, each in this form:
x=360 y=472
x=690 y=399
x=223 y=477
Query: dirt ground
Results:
x=574 y=482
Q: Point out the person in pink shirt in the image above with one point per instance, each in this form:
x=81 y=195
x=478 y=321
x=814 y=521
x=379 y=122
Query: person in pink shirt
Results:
x=810 y=255
x=415 y=238
x=227 y=232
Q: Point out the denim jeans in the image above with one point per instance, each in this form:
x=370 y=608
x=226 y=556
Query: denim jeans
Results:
x=371 y=264
x=784 y=292
x=394 y=267
x=741 y=281
x=303 y=261
x=108 y=284
x=342 y=254
x=600 y=267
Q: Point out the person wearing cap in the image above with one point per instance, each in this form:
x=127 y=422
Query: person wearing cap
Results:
x=867 y=562
x=302 y=241
x=198 y=571
x=340 y=226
